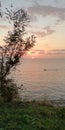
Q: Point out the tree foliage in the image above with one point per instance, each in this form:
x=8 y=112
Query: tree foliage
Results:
x=16 y=45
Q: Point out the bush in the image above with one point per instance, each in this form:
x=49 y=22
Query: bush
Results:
x=10 y=90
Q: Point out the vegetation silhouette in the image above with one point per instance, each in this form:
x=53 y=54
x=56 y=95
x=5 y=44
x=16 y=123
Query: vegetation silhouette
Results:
x=16 y=45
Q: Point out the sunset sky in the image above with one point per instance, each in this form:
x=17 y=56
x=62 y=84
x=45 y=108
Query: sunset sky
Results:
x=47 y=24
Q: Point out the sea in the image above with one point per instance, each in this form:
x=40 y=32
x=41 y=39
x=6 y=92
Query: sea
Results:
x=40 y=79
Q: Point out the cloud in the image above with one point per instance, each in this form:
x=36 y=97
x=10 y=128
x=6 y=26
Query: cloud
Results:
x=57 y=52
x=32 y=52
x=4 y=27
x=50 y=53
x=45 y=10
x=47 y=31
x=40 y=33
x=41 y=52
x=37 y=52
x=56 y=1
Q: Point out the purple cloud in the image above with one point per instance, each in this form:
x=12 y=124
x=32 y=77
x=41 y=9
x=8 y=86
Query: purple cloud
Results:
x=48 y=11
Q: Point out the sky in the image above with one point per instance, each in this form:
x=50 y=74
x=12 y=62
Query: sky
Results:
x=47 y=23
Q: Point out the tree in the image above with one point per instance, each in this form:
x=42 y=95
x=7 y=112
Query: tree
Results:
x=16 y=45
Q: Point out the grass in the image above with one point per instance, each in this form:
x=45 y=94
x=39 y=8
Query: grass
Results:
x=31 y=116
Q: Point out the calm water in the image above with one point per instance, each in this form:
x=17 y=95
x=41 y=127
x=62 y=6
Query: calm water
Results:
x=39 y=84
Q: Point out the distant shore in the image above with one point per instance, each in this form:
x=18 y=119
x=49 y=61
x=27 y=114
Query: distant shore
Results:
x=55 y=103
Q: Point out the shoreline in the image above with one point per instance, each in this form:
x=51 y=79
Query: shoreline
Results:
x=57 y=103
x=54 y=103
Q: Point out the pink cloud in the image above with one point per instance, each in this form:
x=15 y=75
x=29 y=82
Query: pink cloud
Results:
x=37 y=52
x=57 y=52
x=50 y=52
x=47 y=31
x=4 y=27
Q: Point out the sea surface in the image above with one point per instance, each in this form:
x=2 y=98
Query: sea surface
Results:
x=42 y=79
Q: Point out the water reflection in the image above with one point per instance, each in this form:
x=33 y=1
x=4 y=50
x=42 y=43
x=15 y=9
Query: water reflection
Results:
x=41 y=78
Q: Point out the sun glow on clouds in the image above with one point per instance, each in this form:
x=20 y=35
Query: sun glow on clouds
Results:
x=46 y=54
x=47 y=24
x=36 y=54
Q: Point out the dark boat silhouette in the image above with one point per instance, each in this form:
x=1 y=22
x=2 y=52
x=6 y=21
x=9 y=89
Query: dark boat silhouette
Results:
x=45 y=69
